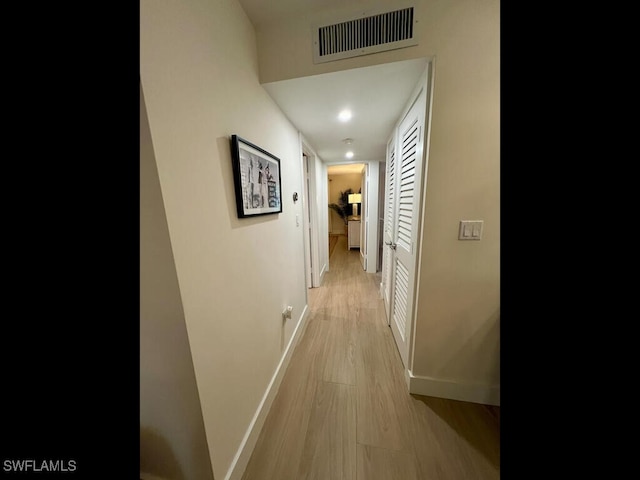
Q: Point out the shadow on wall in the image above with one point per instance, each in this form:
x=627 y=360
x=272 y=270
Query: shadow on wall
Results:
x=483 y=343
x=478 y=424
x=156 y=456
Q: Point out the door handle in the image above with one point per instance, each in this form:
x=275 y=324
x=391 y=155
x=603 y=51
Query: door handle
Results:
x=391 y=244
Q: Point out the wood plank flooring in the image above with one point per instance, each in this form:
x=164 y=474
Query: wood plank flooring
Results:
x=343 y=410
x=333 y=240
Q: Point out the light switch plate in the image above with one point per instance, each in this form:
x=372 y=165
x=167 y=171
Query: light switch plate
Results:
x=470 y=229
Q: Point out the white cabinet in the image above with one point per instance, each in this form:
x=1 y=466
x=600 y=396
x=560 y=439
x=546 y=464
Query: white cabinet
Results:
x=354 y=234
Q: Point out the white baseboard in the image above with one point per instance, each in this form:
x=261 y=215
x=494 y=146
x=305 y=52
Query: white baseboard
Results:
x=322 y=272
x=466 y=392
x=241 y=459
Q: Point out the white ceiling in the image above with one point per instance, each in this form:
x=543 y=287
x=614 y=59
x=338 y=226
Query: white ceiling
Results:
x=376 y=95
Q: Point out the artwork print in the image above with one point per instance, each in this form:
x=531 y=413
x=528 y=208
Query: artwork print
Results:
x=257 y=179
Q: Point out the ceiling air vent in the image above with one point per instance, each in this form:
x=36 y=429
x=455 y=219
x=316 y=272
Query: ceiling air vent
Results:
x=364 y=35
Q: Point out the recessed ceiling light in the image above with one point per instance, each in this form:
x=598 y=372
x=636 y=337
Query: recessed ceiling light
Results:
x=348 y=141
x=349 y=155
x=344 y=115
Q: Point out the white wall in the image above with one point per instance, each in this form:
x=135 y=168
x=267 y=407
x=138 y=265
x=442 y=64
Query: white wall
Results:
x=172 y=437
x=318 y=186
x=458 y=326
x=198 y=68
x=457 y=338
x=323 y=218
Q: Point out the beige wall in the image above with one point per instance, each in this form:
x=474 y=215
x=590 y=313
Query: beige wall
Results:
x=199 y=73
x=457 y=331
x=172 y=439
x=337 y=184
x=285 y=46
x=458 y=328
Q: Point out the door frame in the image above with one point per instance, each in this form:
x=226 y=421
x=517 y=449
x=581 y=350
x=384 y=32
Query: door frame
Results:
x=430 y=85
x=425 y=83
x=370 y=208
x=372 y=179
x=364 y=183
x=309 y=215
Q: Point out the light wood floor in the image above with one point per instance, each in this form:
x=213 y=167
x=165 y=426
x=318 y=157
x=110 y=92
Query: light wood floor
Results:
x=343 y=410
x=333 y=240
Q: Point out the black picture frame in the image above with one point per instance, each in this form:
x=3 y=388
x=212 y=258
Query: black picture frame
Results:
x=257 y=179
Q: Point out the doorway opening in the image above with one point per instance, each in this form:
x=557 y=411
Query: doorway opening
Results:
x=354 y=193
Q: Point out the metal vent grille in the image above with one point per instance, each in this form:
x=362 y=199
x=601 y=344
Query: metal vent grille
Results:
x=362 y=36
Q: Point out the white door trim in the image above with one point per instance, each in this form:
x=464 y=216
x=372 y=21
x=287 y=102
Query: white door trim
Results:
x=373 y=189
x=430 y=75
x=371 y=210
x=309 y=215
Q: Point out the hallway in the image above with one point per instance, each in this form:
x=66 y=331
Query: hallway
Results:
x=343 y=410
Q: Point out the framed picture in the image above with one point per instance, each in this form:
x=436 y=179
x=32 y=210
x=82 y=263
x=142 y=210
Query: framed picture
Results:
x=257 y=179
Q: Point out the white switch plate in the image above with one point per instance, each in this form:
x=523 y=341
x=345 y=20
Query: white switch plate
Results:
x=470 y=229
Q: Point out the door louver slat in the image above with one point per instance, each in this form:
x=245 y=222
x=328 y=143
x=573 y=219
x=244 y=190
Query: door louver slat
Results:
x=391 y=193
x=406 y=184
x=400 y=297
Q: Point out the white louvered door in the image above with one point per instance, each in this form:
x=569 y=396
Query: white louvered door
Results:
x=389 y=220
x=405 y=220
